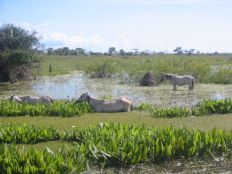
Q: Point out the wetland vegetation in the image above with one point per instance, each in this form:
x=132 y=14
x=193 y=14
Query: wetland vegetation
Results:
x=60 y=143
x=130 y=145
x=206 y=69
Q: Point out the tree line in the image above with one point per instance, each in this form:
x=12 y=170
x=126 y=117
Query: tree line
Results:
x=112 y=51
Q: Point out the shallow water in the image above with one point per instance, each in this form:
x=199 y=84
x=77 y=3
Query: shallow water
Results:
x=71 y=86
x=174 y=167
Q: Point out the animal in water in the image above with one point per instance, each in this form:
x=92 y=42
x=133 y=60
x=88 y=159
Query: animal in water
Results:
x=179 y=80
x=122 y=104
x=32 y=99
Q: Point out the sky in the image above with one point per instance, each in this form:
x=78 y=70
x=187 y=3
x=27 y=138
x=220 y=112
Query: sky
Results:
x=96 y=25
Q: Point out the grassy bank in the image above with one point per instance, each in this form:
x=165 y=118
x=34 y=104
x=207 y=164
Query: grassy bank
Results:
x=206 y=69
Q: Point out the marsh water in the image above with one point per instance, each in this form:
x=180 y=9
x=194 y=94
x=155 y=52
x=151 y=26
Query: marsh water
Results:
x=71 y=86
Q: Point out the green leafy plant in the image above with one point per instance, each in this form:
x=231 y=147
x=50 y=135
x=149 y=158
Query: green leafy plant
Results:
x=206 y=107
x=108 y=145
x=59 y=108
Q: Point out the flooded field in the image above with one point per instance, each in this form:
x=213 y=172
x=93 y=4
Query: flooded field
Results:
x=71 y=86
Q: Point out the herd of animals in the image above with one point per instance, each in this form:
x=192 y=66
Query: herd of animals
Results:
x=122 y=104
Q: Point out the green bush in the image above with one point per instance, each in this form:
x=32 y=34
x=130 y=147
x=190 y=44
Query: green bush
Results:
x=19 y=57
x=103 y=69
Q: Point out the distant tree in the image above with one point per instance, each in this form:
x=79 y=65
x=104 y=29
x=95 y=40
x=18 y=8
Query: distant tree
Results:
x=72 y=52
x=95 y=53
x=136 y=50
x=50 y=51
x=111 y=50
x=12 y=38
x=178 y=50
x=191 y=51
x=80 y=51
x=129 y=53
x=122 y=52
x=145 y=53
x=65 y=51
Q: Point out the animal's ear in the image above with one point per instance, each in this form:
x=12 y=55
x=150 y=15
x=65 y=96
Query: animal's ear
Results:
x=12 y=97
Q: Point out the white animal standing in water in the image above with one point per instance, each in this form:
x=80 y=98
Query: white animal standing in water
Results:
x=32 y=99
x=179 y=80
x=122 y=104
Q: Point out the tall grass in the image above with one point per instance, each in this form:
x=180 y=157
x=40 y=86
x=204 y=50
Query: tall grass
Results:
x=206 y=69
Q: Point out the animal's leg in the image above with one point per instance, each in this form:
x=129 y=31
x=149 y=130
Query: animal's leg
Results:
x=174 y=87
x=190 y=87
x=126 y=109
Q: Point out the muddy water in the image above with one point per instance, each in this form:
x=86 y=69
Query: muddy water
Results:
x=71 y=86
x=174 y=167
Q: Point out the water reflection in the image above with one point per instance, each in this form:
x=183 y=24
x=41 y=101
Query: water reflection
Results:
x=71 y=86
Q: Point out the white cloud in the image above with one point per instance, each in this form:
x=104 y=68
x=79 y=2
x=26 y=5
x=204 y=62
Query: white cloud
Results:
x=78 y=40
x=163 y=37
x=96 y=39
x=60 y=39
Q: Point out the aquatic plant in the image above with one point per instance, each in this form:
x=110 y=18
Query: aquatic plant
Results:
x=109 y=145
x=58 y=108
x=206 y=107
x=23 y=161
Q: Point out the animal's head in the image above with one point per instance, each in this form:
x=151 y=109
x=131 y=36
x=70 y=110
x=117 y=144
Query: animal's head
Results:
x=165 y=76
x=15 y=98
x=84 y=97
x=11 y=97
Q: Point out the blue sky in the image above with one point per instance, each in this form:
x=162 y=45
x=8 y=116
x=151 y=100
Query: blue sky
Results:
x=157 y=25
